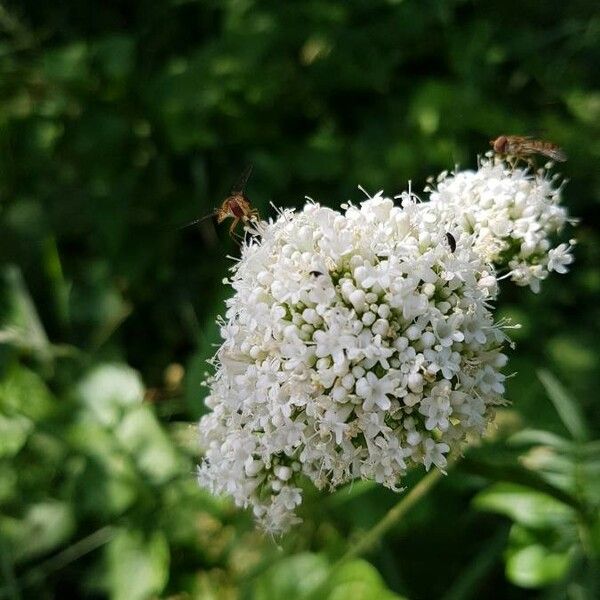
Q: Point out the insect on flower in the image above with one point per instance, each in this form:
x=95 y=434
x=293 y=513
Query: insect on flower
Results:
x=451 y=241
x=522 y=147
x=236 y=205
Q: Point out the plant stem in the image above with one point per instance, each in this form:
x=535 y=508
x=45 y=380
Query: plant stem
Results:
x=393 y=516
x=62 y=559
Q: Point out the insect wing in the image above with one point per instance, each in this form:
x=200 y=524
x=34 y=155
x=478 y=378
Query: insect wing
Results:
x=555 y=153
x=240 y=184
x=529 y=145
x=518 y=144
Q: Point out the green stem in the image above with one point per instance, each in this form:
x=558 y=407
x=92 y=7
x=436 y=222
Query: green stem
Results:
x=393 y=516
x=62 y=559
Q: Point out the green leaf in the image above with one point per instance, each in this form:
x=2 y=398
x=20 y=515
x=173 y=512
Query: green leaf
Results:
x=527 y=437
x=151 y=449
x=310 y=577
x=358 y=580
x=108 y=483
x=110 y=390
x=23 y=392
x=44 y=527
x=507 y=471
x=292 y=578
x=23 y=326
x=566 y=407
x=13 y=434
x=523 y=505
x=138 y=565
x=536 y=566
x=54 y=270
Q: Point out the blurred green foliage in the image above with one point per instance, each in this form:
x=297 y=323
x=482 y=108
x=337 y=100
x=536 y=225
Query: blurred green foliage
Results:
x=121 y=121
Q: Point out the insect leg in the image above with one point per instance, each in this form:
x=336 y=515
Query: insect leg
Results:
x=232 y=232
x=196 y=221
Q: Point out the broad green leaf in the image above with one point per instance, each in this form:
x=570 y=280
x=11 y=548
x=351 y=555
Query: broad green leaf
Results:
x=358 y=580
x=110 y=390
x=523 y=505
x=311 y=577
x=138 y=565
x=566 y=407
x=292 y=578
x=23 y=392
x=536 y=566
x=149 y=446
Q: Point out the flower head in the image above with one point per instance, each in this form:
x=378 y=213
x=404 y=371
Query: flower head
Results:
x=357 y=344
x=511 y=215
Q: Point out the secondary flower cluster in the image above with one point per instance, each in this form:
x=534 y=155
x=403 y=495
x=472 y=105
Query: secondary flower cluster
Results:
x=362 y=343
x=512 y=216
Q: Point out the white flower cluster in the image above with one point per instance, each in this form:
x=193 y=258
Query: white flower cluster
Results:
x=512 y=214
x=362 y=343
x=356 y=345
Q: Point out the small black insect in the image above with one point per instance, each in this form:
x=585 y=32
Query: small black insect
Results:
x=451 y=241
x=316 y=273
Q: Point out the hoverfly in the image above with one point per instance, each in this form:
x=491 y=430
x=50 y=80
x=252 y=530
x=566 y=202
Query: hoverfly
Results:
x=236 y=205
x=524 y=148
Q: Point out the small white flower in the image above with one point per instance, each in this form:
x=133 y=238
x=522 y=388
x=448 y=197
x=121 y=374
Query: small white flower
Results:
x=437 y=411
x=375 y=391
x=559 y=258
x=434 y=453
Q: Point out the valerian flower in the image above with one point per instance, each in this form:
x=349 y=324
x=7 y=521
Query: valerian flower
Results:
x=359 y=344
x=356 y=345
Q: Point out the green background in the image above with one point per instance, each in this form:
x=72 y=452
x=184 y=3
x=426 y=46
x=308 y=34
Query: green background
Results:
x=121 y=121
